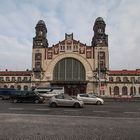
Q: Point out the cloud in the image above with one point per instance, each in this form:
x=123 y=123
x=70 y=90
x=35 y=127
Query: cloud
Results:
x=19 y=18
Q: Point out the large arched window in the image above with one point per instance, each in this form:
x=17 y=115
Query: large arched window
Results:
x=116 y=90
x=69 y=69
x=124 y=90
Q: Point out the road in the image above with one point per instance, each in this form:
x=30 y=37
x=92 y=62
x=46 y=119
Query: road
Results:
x=111 y=121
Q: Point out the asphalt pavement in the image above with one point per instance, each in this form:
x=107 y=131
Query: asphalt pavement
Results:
x=111 y=121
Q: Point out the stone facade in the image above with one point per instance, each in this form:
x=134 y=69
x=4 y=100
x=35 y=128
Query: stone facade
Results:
x=74 y=65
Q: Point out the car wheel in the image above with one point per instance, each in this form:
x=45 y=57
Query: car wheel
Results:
x=36 y=101
x=98 y=103
x=53 y=105
x=15 y=101
x=77 y=105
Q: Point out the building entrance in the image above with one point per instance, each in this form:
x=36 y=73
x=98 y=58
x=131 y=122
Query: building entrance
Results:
x=72 y=89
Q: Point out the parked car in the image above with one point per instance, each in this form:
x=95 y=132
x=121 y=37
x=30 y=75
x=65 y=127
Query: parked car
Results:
x=6 y=93
x=90 y=99
x=65 y=100
x=48 y=92
x=27 y=96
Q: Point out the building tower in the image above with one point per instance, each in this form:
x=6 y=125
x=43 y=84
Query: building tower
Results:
x=40 y=43
x=100 y=44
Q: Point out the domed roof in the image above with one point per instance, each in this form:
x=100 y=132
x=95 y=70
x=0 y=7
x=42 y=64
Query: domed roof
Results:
x=99 y=19
x=41 y=22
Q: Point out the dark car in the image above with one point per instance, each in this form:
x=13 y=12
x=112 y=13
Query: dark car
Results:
x=27 y=96
x=6 y=93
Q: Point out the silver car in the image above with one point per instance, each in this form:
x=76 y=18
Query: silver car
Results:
x=90 y=99
x=65 y=100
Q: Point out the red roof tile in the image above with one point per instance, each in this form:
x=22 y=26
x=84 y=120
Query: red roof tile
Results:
x=15 y=73
x=125 y=72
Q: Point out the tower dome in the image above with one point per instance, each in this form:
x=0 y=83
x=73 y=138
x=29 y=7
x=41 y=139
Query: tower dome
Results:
x=41 y=22
x=99 y=19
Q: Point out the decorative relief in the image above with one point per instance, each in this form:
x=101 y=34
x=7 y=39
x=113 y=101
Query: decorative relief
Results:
x=88 y=54
x=49 y=55
x=82 y=50
x=56 y=50
x=38 y=56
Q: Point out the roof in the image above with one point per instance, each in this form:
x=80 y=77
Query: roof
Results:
x=15 y=73
x=125 y=72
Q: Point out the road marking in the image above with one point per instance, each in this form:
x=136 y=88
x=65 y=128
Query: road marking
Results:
x=66 y=116
x=71 y=110
x=15 y=108
x=40 y=109
x=101 y=111
x=131 y=112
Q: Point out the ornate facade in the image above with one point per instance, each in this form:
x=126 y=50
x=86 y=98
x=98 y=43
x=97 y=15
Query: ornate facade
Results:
x=78 y=67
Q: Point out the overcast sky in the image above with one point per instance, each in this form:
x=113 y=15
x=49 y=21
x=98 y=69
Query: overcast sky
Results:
x=18 y=19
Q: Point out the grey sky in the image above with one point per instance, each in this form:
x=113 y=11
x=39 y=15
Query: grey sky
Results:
x=18 y=19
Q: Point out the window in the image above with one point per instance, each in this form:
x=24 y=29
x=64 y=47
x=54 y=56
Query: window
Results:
x=12 y=86
x=7 y=79
x=38 y=56
x=25 y=79
x=133 y=90
x=132 y=79
x=124 y=90
x=19 y=79
x=18 y=87
x=13 y=79
x=138 y=79
x=68 y=47
x=25 y=87
x=125 y=79
x=110 y=79
x=116 y=90
x=118 y=79
x=1 y=79
x=69 y=69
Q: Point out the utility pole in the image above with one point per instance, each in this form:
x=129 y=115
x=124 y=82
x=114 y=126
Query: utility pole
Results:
x=99 y=74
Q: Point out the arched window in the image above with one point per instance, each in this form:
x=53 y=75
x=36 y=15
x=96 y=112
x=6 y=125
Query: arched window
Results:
x=132 y=79
x=12 y=86
x=13 y=79
x=138 y=79
x=5 y=86
x=1 y=79
x=118 y=79
x=116 y=90
x=25 y=78
x=133 y=90
x=7 y=79
x=110 y=79
x=18 y=87
x=19 y=79
x=125 y=79
x=25 y=87
x=69 y=69
x=124 y=90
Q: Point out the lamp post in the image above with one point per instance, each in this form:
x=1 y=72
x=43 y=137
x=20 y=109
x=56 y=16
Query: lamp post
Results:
x=133 y=88
x=99 y=73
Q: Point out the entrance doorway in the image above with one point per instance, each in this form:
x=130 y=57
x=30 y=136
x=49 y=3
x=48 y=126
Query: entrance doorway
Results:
x=72 y=89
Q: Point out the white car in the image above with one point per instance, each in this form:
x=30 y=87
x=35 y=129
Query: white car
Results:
x=90 y=99
x=65 y=100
